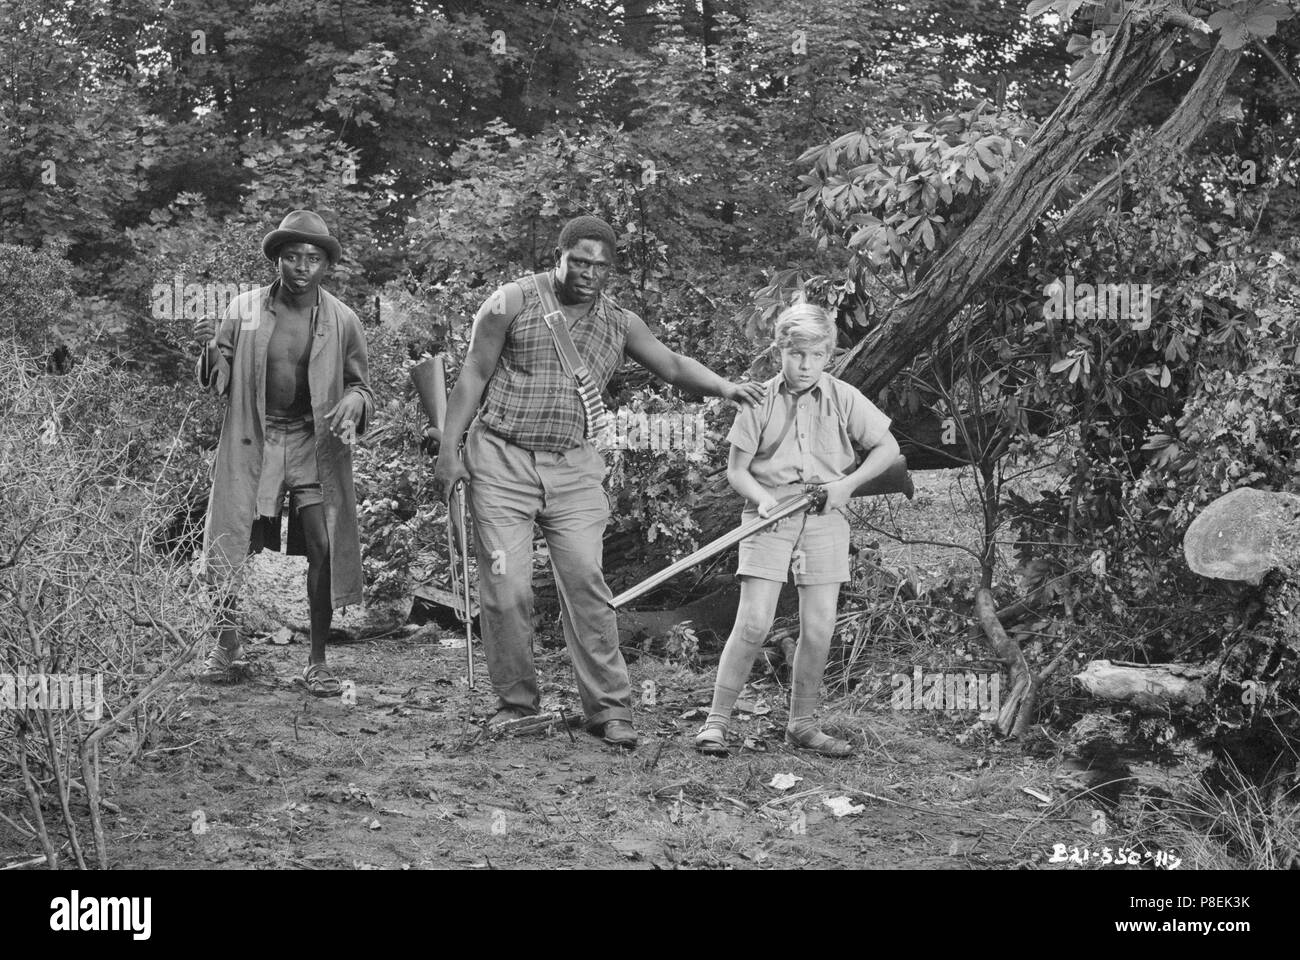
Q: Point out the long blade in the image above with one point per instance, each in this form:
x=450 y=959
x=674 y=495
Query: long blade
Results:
x=430 y=379
x=793 y=504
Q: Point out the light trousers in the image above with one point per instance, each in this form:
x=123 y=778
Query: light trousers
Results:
x=511 y=488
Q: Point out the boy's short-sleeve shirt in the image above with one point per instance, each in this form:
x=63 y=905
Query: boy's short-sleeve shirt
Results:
x=805 y=438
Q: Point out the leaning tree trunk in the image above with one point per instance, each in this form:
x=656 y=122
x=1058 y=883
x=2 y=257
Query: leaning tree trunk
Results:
x=1185 y=125
x=1088 y=113
x=1195 y=112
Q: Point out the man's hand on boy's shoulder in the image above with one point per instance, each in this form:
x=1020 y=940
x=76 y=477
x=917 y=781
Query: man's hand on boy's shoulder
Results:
x=748 y=392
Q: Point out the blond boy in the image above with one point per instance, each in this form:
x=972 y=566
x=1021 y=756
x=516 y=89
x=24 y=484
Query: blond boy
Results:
x=798 y=434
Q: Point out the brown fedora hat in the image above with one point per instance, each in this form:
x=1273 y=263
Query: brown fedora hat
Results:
x=302 y=226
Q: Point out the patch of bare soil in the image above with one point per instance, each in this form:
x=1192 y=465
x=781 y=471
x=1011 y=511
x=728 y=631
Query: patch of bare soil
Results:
x=258 y=774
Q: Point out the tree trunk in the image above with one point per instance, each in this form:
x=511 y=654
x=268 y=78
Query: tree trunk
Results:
x=638 y=28
x=1088 y=113
x=1190 y=119
x=1184 y=126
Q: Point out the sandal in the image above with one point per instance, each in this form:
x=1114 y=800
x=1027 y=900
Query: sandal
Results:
x=821 y=743
x=320 y=682
x=219 y=665
x=712 y=739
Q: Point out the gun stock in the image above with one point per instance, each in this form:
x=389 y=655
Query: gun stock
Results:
x=896 y=479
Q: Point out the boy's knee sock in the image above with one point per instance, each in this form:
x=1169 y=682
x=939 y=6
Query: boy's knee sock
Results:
x=724 y=699
x=806 y=684
x=733 y=670
x=803 y=712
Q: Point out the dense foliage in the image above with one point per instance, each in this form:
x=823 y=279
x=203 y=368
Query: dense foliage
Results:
x=748 y=152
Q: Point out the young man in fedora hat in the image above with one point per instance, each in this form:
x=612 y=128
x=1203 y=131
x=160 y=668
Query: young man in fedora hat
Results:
x=291 y=360
x=529 y=457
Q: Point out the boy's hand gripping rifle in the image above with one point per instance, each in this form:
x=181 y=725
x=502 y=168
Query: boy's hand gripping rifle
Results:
x=813 y=498
x=430 y=379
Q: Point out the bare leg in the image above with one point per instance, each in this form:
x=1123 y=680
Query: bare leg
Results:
x=318 y=578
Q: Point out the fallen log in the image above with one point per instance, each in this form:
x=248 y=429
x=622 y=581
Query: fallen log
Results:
x=1160 y=688
x=1244 y=534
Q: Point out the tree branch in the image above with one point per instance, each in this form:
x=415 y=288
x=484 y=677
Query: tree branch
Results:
x=1280 y=67
x=1189 y=120
x=1088 y=113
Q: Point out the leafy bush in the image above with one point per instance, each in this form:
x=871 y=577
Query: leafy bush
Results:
x=35 y=297
x=400 y=521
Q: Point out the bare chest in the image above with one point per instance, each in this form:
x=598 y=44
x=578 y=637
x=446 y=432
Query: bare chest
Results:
x=290 y=342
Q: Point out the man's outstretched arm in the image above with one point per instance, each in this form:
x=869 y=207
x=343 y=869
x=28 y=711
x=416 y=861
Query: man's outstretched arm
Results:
x=691 y=375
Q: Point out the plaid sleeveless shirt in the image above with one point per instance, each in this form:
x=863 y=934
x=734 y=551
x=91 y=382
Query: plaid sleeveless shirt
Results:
x=530 y=401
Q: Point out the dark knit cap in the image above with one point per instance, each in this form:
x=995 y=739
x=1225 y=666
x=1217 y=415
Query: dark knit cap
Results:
x=587 y=228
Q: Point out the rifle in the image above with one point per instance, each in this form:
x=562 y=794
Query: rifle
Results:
x=457 y=543
x=895 y=479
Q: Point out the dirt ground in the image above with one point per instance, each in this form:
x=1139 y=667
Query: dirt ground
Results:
x=265 y=776
x=259 y=774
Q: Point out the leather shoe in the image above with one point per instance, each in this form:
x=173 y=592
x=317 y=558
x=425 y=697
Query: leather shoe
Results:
x=619 y=733
x=505 y=716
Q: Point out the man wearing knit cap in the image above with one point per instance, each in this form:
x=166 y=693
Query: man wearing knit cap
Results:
x=291 y=360
x=529 y=458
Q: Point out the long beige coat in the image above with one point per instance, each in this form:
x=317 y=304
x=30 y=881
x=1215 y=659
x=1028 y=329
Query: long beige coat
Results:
x=337 y=366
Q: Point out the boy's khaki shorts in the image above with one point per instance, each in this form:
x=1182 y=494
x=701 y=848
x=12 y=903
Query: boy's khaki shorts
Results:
x=815 y=546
